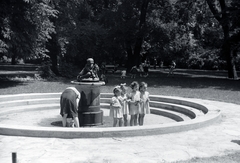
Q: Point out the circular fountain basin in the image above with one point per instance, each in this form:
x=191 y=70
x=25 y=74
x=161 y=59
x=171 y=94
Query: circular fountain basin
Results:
x=37 y=115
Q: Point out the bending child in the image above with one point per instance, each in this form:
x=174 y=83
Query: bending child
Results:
x=69 y=105
x=144 y=104
x=116 y=107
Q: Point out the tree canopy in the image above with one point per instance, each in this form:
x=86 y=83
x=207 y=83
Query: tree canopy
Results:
x=196 y=34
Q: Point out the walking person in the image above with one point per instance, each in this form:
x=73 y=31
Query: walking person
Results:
x=172 y=67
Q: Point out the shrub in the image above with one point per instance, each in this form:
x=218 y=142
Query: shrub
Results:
x=45 y=70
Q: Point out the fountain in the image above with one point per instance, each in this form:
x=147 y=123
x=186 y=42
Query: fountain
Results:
x=89 y=111
x=88 y=85
x=41 y=110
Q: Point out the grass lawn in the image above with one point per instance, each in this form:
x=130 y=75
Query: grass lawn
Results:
x=209 y=85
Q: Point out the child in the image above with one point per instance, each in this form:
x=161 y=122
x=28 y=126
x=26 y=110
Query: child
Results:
x=69 y=105
x=141 y=71
x=134 y=103
x=172 y=67
x=104 y=78
x=134 y=72
x=123 y=98
x=144 y=104
x=123 y=74
x=116 y=107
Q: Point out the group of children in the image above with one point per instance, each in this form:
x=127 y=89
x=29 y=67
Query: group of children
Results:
x=135 y=104
x=123 y=104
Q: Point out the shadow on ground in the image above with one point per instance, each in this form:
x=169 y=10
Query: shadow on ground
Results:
x=182 y=79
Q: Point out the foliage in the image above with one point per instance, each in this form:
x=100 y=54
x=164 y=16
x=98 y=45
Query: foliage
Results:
x=207 y=60
x=25 y=27
x=121 y=31
x=68 y=70
x=45 y=71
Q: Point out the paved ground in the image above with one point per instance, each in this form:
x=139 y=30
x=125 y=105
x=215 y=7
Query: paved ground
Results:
x=216 y=140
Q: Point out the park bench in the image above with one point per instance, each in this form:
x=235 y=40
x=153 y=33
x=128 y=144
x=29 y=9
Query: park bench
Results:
x=111 y=68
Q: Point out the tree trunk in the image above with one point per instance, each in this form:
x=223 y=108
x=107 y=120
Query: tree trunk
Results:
x=232 y=73
x=130 y=57
x=140 y=34
x=228 y=52
x=53 y=53
x=13 y=61
x=223 y=19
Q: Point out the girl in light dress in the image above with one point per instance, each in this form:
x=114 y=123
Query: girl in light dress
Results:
x=116 y=105
x=124 y=100
x=134 y=103
x=144 y=102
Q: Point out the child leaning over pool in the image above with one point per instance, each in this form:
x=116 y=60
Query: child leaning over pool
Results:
x=144 y=102
x=116 y=110
x=123 y=99
x=134 y=103
x=69 y=105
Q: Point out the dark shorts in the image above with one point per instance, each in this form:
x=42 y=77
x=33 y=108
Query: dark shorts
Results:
x=68 y=103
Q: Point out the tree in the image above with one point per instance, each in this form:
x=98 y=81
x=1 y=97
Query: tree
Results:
x=25 y=27
x=226 y=13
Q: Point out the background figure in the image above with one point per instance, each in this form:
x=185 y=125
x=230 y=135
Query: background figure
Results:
x=141 y=70
x=134 y=103
x=69 y=105
x=172 y=67
x=116 y=107
x=155 y=63
x=144 y=103
x=103 y=77
x=161 y=64
x=123 y=74
x=134 y=72
x=103 y=68
x=145 y=68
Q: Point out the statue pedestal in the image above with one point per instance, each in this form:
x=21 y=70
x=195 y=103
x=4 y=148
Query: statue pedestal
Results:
x=89 y=112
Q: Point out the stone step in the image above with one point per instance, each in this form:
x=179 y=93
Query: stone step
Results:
x=23 y=108
x=173 y=107
x=188 y=111
x=178 y=117
x=181 y=102
x=5 y=98
x=105 y=97
x=26 y=102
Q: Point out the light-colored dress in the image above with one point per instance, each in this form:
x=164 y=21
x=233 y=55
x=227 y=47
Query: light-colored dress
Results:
x=134 y=104
x=116 y=110
x=125 y=108
x=144 y=105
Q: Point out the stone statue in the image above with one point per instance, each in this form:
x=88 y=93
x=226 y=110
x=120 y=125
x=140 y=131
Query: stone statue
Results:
x=89 y=72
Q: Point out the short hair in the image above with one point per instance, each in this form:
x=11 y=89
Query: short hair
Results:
x=90 y=60
x=133 y=84
x=116 y=89
x=142 y=84
x=123 y=86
